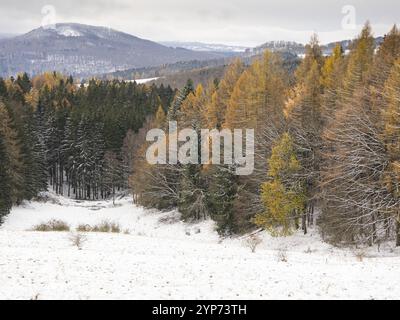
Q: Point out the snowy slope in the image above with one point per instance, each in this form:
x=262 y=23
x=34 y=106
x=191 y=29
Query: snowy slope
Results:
x=159 y=260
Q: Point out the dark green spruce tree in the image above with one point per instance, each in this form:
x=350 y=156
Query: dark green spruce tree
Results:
x=5 y=181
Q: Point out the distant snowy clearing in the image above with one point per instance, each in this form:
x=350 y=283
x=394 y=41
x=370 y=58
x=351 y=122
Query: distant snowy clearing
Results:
x=143 y=81
x=162 y=258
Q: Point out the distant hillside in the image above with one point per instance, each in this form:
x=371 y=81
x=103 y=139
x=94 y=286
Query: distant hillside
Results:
x=166 y=69
x=299 y=49
x=205 y=47
x=7 y=35
x=86 y=50
x=177 y=74
x=199 y=76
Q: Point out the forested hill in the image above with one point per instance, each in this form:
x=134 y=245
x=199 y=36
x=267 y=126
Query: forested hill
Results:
x=201 y=72
x=79 y=139
x=85 y=50
x=300 y=49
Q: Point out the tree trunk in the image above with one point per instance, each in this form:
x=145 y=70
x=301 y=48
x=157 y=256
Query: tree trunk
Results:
x=311 y=222
x=304 y=222
x=387 y=228
x=113 y=191
x=374 y=230
x=398 y=233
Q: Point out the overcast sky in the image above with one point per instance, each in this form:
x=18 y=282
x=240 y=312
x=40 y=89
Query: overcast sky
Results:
x=242 y=22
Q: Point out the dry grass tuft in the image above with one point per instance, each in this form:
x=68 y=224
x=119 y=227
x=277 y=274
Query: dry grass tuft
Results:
x=52 y=225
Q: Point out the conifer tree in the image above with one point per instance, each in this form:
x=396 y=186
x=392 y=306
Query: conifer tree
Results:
x=283 y=195
x=13 y=150
x=32 y=151
x=304 y=114
x=69 y=154
x=331 y=80
x=392 y=141
x=5 y=181
x=178 y=100
x=359 y=63
x=387 y=53
x=216 y=109
x=112 y=173
x=223 y=184
x=192 y=202
x=129 y=146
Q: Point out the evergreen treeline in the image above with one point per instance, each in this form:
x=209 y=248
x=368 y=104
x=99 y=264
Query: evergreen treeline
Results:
x=76 y=140
x=327 y=146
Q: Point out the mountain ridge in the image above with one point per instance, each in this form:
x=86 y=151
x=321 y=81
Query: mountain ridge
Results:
x=85 y=50
x=299 y=48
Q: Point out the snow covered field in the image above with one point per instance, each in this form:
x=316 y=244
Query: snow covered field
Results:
x=171 y=260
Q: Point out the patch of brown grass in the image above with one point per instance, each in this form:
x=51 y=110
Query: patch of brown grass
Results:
x=52 y=225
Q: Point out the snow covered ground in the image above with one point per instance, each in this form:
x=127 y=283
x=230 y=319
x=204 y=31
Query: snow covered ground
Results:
x=162 y=258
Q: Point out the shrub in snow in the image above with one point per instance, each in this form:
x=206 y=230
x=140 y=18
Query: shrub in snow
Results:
x=107 y=226
x=115 y=228
x=253 y=242
x=360 y=255
x=170 y=219
x=77 y=240
x=84 y=228
x=282 y=255
x=309 y=250
x=104 y=226
x=52 y=225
